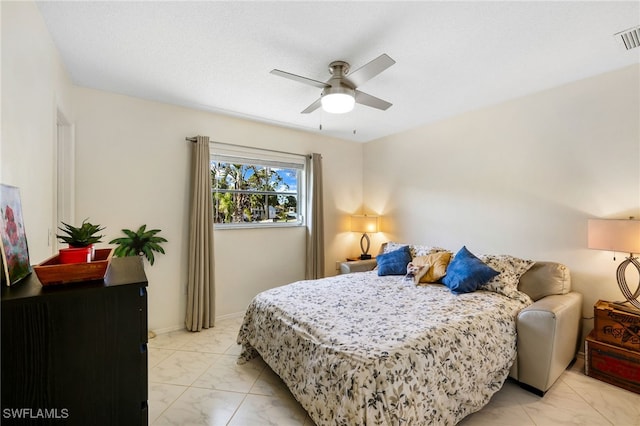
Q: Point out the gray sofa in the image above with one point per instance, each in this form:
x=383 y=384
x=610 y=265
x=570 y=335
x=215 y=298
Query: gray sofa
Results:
x=549 y=330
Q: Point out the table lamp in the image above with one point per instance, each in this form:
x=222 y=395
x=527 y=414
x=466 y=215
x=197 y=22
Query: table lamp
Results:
x=621 y=235
x=365 y=224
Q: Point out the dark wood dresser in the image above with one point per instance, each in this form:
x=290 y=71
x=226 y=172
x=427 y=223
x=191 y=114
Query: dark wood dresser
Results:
x=76 y=354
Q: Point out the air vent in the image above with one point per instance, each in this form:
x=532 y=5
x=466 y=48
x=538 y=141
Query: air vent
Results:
x=630 y=38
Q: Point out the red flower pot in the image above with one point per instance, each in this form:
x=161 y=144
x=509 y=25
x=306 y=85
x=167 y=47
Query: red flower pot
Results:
x=75 y=255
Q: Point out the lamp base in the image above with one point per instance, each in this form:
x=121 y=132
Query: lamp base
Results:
x=632 y=298
x=365 y=248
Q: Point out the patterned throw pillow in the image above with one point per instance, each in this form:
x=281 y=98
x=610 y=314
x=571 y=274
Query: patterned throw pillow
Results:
x=391 y=246
x=511 y=269
x=426 y=250
x=394 y=262
x=466 y=273
x=416 y=250
x=429 y=268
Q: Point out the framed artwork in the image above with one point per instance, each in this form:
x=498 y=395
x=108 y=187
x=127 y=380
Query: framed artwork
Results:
x=3 y=277
x=13 y=239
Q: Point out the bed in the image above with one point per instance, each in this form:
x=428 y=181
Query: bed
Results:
x=364 y=349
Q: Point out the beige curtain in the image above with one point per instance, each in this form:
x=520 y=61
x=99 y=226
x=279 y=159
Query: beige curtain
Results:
x=315 y=219
x=200 y=284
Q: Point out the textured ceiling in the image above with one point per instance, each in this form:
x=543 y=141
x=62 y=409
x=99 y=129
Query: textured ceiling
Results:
x=451 y=57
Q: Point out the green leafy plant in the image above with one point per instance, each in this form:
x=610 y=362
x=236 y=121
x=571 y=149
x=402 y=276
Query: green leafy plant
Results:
x=81 y=236
x=141 y=242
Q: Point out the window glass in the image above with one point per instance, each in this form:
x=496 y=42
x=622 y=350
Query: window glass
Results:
x=251 y=191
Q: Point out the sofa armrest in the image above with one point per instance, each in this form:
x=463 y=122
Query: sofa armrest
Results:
x=548 y=339
x=357 y=266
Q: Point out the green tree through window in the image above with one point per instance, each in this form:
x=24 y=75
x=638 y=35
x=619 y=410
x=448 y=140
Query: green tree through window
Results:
x=256 y=192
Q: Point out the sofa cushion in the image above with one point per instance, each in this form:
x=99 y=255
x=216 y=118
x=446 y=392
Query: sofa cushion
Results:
x=394 y=262
x=544 y=279
x=466 y=272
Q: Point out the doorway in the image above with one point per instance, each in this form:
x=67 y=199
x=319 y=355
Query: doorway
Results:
x=64 y=182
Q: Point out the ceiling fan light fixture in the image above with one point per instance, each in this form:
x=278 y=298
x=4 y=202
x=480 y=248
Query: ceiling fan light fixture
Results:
x=338 y=100
x=339 y=94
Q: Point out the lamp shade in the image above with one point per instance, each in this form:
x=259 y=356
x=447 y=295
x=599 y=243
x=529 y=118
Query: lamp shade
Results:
x=621 y=235
x=364 y=224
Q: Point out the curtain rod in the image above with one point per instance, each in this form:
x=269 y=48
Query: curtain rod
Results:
x=194 y=139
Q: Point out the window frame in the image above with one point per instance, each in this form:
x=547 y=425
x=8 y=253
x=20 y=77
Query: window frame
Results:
x=237 y=154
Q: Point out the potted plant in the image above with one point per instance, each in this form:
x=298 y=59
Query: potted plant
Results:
x=81 y=240
x=141 y=242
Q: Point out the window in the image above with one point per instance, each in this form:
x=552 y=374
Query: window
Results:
x=255 y=188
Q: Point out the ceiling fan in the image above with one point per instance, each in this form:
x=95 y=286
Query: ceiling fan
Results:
x=340 y=92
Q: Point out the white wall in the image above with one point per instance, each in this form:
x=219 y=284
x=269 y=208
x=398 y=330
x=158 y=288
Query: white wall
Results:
x=132 y=167
x=35 y=87
x=521 y=177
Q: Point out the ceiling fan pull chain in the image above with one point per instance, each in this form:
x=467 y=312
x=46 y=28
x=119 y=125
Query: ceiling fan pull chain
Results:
x=354 y=121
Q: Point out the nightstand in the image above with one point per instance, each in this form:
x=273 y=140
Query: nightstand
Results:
x=357 y=265
x=612 y=349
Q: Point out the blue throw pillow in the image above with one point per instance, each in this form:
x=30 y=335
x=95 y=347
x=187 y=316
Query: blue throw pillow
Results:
x=395 y=262
x=466 y=273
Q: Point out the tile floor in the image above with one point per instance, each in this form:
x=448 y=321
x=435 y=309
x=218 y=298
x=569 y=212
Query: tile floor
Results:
x=194 y=380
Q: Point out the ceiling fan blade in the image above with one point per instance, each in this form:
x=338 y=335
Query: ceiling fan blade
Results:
x=370 y=70
x=314 y=106
x=371 y=101
x=300 y=79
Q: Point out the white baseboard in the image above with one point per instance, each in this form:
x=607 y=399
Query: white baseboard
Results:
x=168 y=329
x=181 y=327
x=231 y=316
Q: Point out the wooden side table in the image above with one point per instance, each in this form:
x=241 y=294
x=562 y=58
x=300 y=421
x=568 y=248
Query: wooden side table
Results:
x=612 y=349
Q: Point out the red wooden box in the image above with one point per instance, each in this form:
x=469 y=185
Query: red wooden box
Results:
x=611 y=364
x=616 y=324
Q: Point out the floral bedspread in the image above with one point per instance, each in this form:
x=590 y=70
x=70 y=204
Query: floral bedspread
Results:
x=359 y=349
